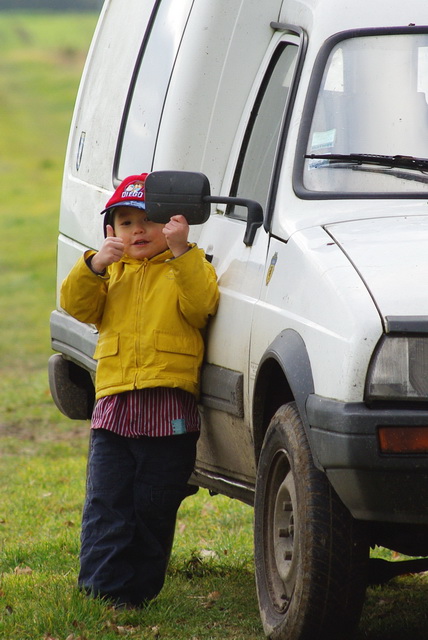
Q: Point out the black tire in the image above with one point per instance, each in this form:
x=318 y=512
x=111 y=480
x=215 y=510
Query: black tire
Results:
x=311 y=556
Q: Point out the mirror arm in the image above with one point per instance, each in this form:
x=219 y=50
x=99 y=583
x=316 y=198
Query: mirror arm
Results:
x=255 y=214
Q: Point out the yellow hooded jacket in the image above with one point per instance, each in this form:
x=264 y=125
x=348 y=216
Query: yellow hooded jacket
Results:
x=149 y=315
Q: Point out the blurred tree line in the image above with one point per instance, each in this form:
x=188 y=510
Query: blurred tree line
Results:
x=51 y=5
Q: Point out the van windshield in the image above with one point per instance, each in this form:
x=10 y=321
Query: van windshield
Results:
x=369 y=132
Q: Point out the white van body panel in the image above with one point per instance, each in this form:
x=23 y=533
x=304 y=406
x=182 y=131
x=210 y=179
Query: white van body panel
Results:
x=343 y=329
x=228 y=35
x=390 y=255
x=240 y=271
x=87 y=182
x=211 y=90
x=103 y=93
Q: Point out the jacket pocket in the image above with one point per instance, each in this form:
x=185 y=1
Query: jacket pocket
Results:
x=107 y=345
x=109 y=368
x=178 y=353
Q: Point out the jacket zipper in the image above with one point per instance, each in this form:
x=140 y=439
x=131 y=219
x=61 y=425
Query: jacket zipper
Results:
x=138 y=317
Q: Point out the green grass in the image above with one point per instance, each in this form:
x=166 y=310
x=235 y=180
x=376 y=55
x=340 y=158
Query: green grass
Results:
x=41 y=59
x=209 y=592
x=39 y=561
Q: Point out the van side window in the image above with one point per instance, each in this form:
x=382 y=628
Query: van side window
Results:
x=255 y=164
x=148 y=92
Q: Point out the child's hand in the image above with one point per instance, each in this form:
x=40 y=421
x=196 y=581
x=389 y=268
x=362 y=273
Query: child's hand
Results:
x=111 y=251
x=176 y=232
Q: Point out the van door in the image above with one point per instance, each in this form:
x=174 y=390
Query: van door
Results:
x=226 y=452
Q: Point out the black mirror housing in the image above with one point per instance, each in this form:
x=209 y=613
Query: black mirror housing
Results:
x=171 y=193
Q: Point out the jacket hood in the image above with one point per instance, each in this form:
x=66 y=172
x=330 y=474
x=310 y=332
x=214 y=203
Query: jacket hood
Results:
x=391 y=257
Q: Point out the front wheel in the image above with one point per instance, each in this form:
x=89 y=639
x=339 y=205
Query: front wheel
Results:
x=311 y=556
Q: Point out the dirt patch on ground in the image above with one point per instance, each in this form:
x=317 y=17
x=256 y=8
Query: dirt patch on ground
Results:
x=37 y=431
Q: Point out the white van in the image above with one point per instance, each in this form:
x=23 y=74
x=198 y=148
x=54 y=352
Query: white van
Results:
x=314 y=115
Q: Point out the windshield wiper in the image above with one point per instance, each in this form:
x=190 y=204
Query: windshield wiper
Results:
x=402 y=162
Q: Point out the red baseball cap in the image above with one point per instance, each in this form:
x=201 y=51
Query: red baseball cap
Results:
x=130 y=193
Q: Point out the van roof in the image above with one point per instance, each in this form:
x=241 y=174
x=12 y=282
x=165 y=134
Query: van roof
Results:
x=332 y=16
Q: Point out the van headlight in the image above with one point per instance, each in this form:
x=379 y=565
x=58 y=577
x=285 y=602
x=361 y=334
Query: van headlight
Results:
x=399 y=369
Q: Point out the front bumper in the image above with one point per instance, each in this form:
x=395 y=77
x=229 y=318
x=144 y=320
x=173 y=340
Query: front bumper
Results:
x=374 y=486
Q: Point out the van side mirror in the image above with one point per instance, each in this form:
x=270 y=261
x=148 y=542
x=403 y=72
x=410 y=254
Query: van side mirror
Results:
x=171 y=193
x=187 y=193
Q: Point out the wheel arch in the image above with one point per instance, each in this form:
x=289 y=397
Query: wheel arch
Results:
x=284 y=375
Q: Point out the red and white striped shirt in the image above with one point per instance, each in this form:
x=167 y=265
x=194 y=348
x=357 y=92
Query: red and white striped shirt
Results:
x=147 y=412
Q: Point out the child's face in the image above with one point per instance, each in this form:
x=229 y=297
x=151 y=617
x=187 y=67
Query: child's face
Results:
x=141 y=237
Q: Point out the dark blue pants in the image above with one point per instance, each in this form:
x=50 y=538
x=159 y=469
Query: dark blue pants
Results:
x=134 y=489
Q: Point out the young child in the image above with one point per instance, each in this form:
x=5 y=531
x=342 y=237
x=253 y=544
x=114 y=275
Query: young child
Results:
x=150 y=293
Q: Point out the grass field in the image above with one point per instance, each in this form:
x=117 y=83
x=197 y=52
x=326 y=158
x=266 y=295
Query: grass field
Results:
x=209 y=593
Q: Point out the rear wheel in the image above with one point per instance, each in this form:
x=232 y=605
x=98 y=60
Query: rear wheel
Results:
x=311 y=556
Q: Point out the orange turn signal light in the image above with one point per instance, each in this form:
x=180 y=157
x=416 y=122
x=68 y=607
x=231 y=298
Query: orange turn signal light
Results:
x=403 y=439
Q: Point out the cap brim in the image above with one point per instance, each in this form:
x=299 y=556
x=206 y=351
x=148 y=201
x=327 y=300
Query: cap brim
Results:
x=138 y=204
